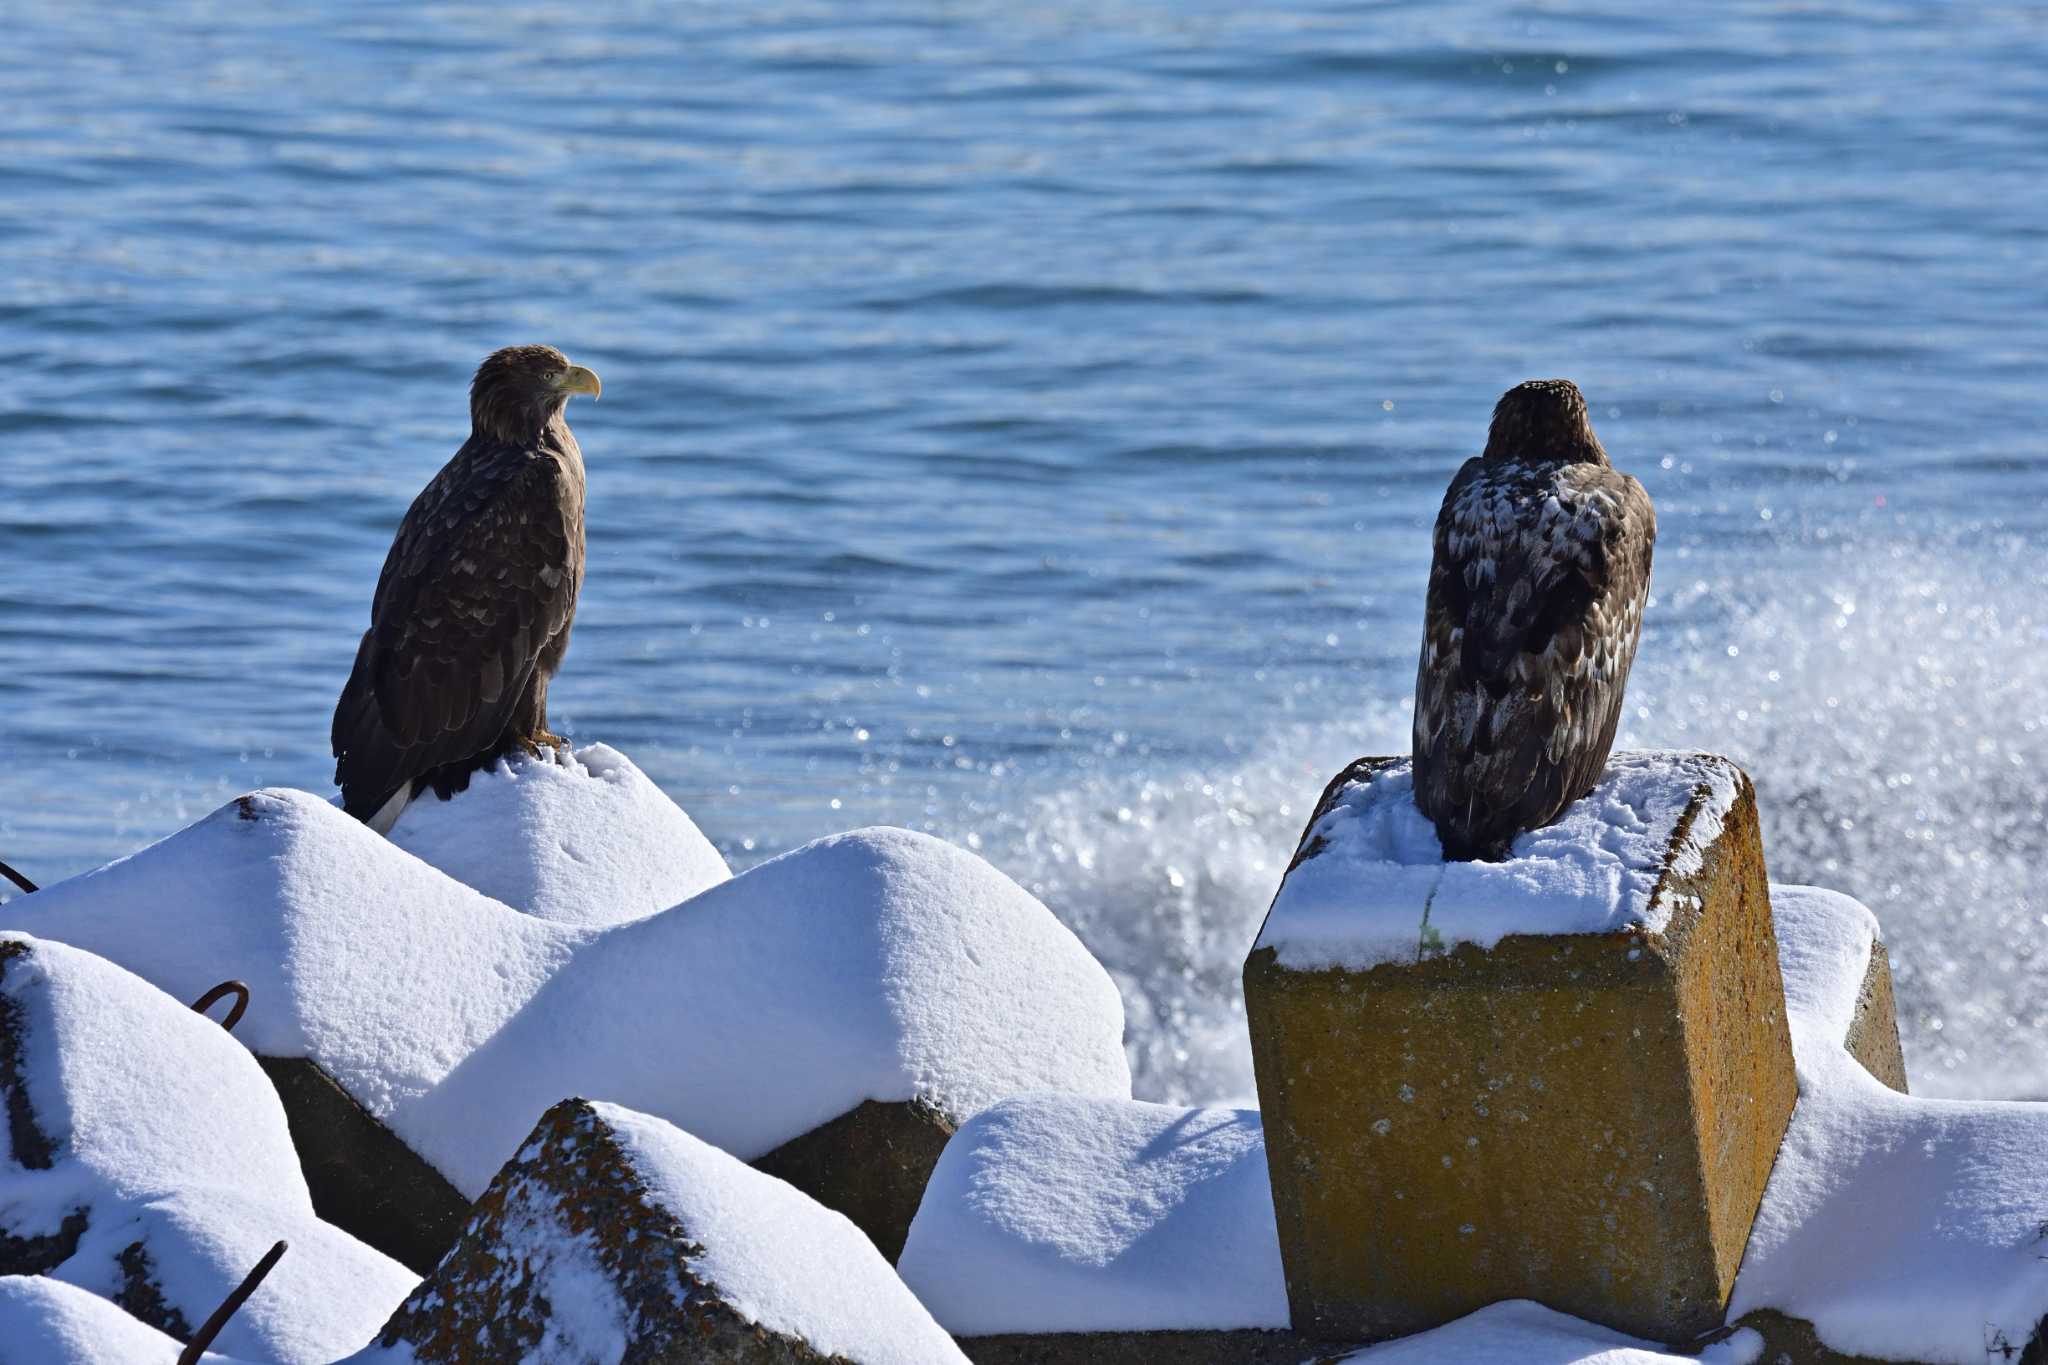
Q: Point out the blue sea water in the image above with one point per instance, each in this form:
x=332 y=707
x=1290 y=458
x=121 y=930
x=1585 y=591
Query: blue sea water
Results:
x=1023 y=420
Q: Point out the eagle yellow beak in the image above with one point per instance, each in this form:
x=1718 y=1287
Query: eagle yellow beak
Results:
x=576 y=379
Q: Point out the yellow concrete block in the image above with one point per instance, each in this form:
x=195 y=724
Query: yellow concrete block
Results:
x=1563 y=1077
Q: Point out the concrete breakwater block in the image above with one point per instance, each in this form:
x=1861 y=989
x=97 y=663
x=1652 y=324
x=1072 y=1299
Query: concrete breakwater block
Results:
x=870 y=1163
x=1563 y=1077
x=362 y=1177
x=1873 y=1038
x=614 y=1235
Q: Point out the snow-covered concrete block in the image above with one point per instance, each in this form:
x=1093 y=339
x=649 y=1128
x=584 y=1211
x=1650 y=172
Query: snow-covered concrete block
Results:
x=48 y=1322
x=1061 y=1229
x=1892 y=1227
x=145 y=1158
x=612 y=1235
x=880 y=965
x=1561 y=1077
x=1522 y=1333
x=1053 y=1213
x=579 y=839
x=362 y=1176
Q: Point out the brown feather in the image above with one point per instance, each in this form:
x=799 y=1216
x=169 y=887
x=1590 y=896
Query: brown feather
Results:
x=1536 y=593
x=472 y=612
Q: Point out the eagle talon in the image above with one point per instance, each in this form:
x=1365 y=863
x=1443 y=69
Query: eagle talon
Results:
x=544 y=745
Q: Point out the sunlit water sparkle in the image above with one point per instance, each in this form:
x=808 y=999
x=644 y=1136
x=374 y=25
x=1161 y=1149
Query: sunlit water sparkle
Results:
x=1023 y=421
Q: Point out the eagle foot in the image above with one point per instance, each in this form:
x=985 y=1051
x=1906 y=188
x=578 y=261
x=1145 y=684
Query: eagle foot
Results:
x=544 y=744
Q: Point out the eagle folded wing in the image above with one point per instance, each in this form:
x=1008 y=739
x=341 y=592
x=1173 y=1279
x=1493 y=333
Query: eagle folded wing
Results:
x=1534 y=609
x=475 y=588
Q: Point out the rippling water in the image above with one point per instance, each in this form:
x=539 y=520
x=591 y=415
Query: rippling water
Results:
x=1023 y=420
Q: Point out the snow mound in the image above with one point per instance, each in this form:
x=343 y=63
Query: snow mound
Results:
x=1899 y=1227
x=880 y=964
x=783 y=1261
x=356 y=954
x=1379 y=884
x=1060 y=1214
x=582 y=839
x=146 y=1145
x=1519 y=1332
x=47 y=1322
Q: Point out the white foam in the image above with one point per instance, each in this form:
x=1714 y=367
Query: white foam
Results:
x=1901 y=1227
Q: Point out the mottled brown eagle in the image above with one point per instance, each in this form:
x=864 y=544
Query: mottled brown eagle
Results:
x=1536 y=596
x=473 y=607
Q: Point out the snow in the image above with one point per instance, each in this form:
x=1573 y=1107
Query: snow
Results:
x=1902 y=1228
x=582 y=839
x=167 y=1133
x=355 y=953
x=47 y=1322
x=1053 y=1213
x=1519 y=1332
x=1380 y=890
x=781 y=1260
x=879 y=964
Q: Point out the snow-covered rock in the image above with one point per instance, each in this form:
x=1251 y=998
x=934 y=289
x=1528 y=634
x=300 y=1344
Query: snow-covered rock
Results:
x=1519 y=1332
x=1053 y=1213
x=612 y=1234
x=880 y=964
x=1901 y=1228
x=356 y=953
x=48 y=1322
x=147 y=1161
x=1370 y=884
x=582 y=839
x=877 y=965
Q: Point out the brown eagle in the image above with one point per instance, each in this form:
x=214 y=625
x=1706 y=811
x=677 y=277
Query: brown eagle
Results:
x=1536 y=596
x=473 y=607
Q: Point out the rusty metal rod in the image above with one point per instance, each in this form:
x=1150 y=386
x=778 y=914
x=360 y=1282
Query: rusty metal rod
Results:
x=210 y=1329
x=214 y=997
x=19 y=880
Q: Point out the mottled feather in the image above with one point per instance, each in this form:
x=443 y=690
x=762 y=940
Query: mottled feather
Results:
x=1537 y=587
x=473 y=608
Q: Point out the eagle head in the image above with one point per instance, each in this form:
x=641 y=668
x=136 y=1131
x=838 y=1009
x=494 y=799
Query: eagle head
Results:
x=1543 y=419
x=519 y=390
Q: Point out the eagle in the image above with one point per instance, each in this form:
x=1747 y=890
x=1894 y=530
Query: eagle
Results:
x=1536 y=594
x=474 y=604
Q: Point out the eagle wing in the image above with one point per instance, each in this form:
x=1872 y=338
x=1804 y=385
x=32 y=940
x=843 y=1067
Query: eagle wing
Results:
x=1536 y=596
x=481 y=578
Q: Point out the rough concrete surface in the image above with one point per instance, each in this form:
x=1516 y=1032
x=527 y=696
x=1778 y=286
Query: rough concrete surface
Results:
x=1584 y=1120
x=485 y=1304
x=871 y=1164
x=1874 y=1033
x=363 y=1178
